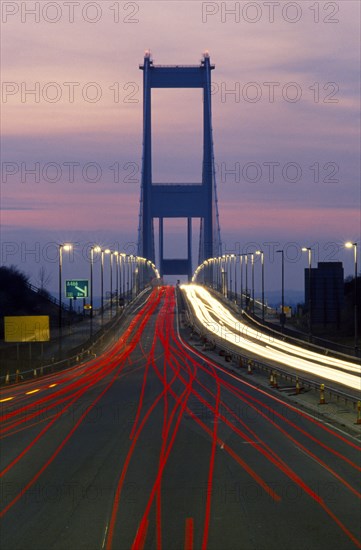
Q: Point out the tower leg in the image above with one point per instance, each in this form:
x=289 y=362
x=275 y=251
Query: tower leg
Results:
x=189 y=233
x=161 y=246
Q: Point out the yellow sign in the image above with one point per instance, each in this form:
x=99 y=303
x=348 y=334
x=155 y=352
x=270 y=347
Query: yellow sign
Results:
x=26 y=328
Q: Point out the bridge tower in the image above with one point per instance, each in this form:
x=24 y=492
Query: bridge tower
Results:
x=198 y=200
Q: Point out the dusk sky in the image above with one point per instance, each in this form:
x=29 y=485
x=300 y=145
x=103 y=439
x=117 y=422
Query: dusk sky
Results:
x=286 y=120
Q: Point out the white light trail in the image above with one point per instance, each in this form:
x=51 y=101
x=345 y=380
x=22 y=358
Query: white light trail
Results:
x=219 y=321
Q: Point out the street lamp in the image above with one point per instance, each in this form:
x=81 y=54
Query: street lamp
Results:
x=261 y=253
x=61 y=248
x=232 y=259
x=210 y=272
x=205 y=272
x=116 y=254
x=241 y=270
x=122 y=274
x=101 y=281
x=91 y=288
x=229 y=268
x=93 y=249
x=107 y=251
x=130 y=272
x=235 y=279
x=219 y=273
x=252 y=274
x=128 y=278
x=111 y=283
x=354 y=246
x=246 y=267
x=224 y=275
x=283 y=288
x=309 y=250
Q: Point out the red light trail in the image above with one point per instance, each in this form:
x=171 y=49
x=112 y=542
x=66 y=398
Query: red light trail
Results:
x=174 y=382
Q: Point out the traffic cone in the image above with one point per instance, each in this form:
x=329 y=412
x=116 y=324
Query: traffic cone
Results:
x=358 y=421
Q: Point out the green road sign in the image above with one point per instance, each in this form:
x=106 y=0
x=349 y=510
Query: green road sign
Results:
x=76 y=288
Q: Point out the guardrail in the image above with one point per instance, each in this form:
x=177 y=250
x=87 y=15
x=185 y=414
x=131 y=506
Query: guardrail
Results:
x=79 y=354
x=47 y=296
x=242 y=360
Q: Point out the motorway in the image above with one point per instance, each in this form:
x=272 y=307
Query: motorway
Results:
x=153 y=446
x=218 y=321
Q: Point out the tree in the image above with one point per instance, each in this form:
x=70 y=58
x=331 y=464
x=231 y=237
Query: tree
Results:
x=43 y=278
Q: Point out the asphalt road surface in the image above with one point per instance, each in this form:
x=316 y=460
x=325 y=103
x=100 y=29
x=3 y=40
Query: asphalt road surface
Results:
x=152 y=446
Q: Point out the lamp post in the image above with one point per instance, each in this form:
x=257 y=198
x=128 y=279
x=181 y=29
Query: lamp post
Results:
x=141 y=273
x=91 y=288
x=252 y=264
x=214 y=273
x=354 y=246
x=111 y=283
x=224 y=275
x=210 y=272
x=136 y=275
x=261 y=253
x=102 y=282
x=229 y=268
x=205 y=272
x=131 y=276
x=235 y=279
x=283 y=288
x=122 y=274
x=309 y=250
x=107 y=251
x=116 y=254
x=94 y=248
x=241 y=269
x=61 y=248
x=91 y=282
x=128 y=275
x=246 y=267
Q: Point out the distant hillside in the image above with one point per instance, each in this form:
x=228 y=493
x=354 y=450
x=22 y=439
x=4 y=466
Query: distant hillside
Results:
x=292 y=297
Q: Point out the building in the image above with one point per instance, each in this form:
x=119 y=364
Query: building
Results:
x=327 y=293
